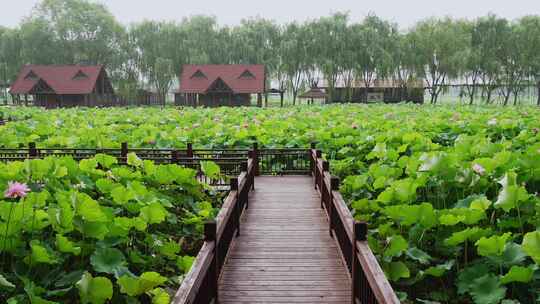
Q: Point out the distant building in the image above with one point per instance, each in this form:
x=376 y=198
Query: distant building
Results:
x=387 y=90
x=56 y=86
x=220 y=85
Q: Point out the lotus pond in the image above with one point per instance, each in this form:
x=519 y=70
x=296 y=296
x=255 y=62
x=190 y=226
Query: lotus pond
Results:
x=450 y=194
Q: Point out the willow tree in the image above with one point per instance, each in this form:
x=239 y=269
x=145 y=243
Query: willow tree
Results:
x=440 y=44
x=84 y=31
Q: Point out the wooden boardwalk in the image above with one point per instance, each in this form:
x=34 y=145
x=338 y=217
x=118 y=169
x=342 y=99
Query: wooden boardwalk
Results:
x=284 y=253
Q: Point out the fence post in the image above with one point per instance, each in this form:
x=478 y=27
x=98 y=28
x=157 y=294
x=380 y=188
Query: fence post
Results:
x=237 y=204
x=189 y=150
x=318 y=154
x=32 y=151
x=256 y=158
x=252 y=176
x=244 y=168
x=210 y=235
x=322 y=184
x=311 y=160
x=124 y=151
x=334 y=186
x=175 y=155
x=360 y=235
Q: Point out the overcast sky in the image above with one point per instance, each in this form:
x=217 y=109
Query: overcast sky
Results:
x=404 y=12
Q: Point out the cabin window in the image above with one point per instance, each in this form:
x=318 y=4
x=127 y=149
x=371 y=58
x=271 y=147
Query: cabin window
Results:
x=198 y=74
x=80 y=75
x=247 y=74
x=31 y=76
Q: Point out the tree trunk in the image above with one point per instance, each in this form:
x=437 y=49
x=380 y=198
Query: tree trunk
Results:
x=488 y=97
x=433 y=95
x=506 y=97
x=259 y=100
x=281 y=99
x=538 y=97
x=266 y=100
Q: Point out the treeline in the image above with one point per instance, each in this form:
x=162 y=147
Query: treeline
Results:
x=491 y=57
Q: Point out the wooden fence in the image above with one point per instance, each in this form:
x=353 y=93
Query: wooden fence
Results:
x=200 y=285
x=369 y=284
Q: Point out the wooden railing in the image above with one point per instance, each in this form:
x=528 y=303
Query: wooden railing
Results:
x=369 y=284
x=200 y=285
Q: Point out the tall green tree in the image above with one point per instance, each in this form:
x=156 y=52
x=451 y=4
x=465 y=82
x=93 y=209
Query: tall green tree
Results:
x=84 y=31
x=331 y=33
x=440 y=44
x=529 y=33
x=372 y=44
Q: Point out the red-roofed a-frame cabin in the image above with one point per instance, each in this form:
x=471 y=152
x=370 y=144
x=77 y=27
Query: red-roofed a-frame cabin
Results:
x=55 y=86
x=220 y=85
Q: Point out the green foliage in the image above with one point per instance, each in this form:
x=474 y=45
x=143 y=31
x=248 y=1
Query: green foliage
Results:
x=95 y=227
x=94 y=290
x=518 y=274
x=135 y=286
x=409 y=171
x=531 y=245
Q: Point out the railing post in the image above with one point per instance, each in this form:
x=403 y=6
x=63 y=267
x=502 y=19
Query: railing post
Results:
x=334 y=186
x=237 y=204
x=360 y=235
x=244 y=168
x=256 y=159
x=189 y=150
x=318 y=155
x=124 y=151
x=32 y=151
x=251 y=155
x=312 y=161
x=210 y=235
x=322 y=184
x=175 y=156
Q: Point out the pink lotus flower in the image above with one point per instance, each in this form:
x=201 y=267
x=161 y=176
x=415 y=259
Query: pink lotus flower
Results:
x=479 y=169
x=16 y=189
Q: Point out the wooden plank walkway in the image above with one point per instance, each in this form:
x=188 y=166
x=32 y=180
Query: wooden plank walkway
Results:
x=285 y=253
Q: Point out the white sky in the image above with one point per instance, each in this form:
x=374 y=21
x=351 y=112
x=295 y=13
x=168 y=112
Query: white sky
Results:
x=404 y=12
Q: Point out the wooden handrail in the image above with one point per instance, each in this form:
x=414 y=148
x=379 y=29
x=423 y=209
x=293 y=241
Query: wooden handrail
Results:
x=200 y=285
x=369 y=283
x=194 y=279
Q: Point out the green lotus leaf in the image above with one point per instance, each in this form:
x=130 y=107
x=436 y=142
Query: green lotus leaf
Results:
x=94 y=290
x=494 y=245
x=160 y=296
x=65 y=245
x=210 y=169
x=134 y=286
x=396 y=245
x=518 y=274
x=487 y=290
x=154 y=213
x=5 y=283
x=108 y=260
x=106 y=161
x=531 y=245
x=184 y=263
x=396 y=270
